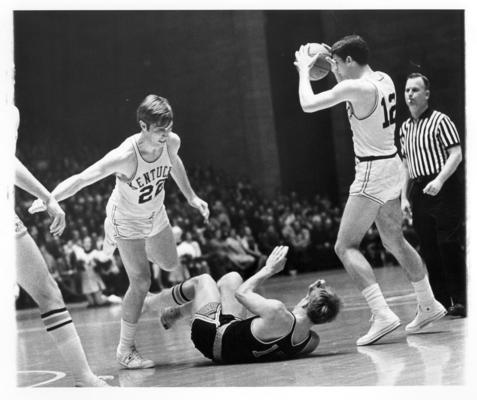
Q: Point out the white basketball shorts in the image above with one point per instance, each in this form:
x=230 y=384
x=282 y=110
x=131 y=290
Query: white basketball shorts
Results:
x=378 y=180
x=120 y=226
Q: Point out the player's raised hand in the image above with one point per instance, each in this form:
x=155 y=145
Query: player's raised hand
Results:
x=277 y=259
x=37 y=206
x=202 y=206
x=333 y=65
x=303 y=60
x=56 y=212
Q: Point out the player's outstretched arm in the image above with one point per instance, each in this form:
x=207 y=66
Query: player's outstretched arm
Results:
x=116 y=161
x=246 y=294
x=25 y=180
x=180 y=177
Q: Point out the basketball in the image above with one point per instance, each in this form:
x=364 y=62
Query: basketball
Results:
x=321 y=67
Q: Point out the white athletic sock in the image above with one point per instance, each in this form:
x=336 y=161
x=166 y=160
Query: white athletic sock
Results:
x=127 y=336
x=425 y=296
x=375 y=299
x=60 y=327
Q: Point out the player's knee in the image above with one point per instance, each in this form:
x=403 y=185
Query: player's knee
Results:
x=342 y=247
x=172 y=266
x=168 y=263
x=140 y=281
x=230 y=280
x=203 y=280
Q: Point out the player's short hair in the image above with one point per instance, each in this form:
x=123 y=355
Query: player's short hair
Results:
x=424 y=78
x=155 y=110
x=354 y=46
x=323 y=306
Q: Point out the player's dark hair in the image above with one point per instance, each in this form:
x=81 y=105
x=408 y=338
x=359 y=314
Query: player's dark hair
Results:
x=323 y=306
x=424 y=78
x=353 y=46
x=155 y=109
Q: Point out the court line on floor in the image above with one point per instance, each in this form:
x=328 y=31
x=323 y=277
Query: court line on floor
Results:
x=395 y=300
x=58 y=375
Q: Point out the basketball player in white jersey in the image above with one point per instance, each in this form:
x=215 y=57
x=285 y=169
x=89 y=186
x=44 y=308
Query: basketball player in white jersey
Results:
x=136 y=220
x=33 y=275
x=374 y=195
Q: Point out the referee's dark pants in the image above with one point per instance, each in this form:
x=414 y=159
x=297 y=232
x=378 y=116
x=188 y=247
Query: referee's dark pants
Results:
x=439 y=223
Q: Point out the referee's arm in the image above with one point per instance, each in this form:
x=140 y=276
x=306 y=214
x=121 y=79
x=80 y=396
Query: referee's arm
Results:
x=451 y=164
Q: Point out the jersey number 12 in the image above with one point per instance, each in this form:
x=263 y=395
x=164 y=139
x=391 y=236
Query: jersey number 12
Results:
x=389 y=117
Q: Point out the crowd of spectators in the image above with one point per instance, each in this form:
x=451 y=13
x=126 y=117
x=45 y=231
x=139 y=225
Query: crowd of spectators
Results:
x=244 y=227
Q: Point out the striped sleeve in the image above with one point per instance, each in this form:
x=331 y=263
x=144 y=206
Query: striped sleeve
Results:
x=448 y=134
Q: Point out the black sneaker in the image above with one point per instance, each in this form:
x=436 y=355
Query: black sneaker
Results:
x=457 y=310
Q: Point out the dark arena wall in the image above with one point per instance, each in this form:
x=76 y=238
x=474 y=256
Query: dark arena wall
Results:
x=230 y=78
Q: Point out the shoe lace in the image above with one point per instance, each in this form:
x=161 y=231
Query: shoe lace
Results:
x=134 y=355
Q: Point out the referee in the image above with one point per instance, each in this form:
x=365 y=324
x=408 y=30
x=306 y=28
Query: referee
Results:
x=431 y=149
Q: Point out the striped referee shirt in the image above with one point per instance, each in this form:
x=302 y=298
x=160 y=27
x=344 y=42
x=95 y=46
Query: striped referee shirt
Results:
x=424 y=142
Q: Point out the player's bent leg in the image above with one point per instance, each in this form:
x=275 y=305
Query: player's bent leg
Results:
x=228 y=285
x=162 y=250
x=389 y=223
x=33 y=276
x=202 y=290
x=360 y=212
x=206 y=291
x=184 y=299
x=358 y=216
x=136 y=264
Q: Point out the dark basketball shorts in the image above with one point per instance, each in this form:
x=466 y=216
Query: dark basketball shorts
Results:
x=208 y=326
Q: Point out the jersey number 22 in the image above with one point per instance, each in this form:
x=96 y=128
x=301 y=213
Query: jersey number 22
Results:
x=146 y=191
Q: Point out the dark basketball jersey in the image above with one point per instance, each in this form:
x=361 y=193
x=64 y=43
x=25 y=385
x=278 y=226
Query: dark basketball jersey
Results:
x=240 y=345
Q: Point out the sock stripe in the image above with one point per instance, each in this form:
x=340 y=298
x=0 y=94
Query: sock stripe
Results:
x=59 y=310
x=178 y=294
x=186 y=300
x=174 y=296
x=56 y=318
x=52 y=328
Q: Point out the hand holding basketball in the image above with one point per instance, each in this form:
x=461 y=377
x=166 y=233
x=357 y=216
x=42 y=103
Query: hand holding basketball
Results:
x=312 y=57
x=303 y=60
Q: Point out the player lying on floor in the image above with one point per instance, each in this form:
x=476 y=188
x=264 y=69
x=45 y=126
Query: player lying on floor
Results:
x=220 y=329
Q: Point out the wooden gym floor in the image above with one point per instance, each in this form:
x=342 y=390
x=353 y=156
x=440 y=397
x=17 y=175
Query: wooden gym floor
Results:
x=434 y=357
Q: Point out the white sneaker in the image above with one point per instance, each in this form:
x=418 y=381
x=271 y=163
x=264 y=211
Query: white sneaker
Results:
x=169 y=316
x=425 y=316
x=380 y=325
x=133 y=360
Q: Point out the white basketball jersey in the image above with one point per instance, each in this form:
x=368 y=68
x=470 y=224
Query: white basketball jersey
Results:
x=143 y=194
x=373 y=136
